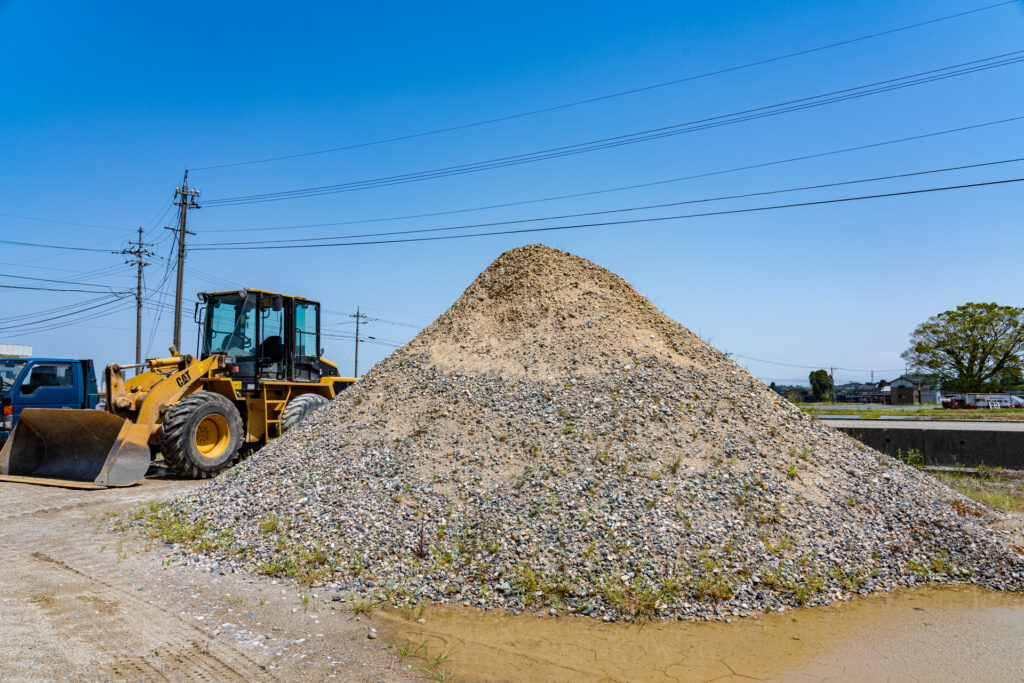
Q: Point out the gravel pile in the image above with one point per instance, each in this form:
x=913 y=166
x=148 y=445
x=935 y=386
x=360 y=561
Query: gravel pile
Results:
x=553 y=441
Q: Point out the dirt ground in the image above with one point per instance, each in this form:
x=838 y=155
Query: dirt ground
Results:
x=79 y=602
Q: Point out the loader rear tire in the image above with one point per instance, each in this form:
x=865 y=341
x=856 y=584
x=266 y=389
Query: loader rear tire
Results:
x=299 y=407
x=201 y=435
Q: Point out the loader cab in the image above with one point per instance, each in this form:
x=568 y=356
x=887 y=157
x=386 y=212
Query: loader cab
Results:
x=271 y=337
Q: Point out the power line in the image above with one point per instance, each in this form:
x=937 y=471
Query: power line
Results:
x=49 y=311
x=51 y=220
x=159 y=294
x=161 y=213
x=55 y=289
x=609 y=96
x=65 y=324
x=398 y=324
x=637 y=208
x=707 y=174
x=59 y=282
x=625 y=222
x=813 y=367
x=115 y=299
x=350 y=336
x=788 y=106
x=383 y=310
x=362 y=340
x=55 y=246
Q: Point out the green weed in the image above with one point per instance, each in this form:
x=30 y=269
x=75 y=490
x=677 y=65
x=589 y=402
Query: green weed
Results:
x=919 y=568
x=803 y=590
x=364 y=606
x=268 y=523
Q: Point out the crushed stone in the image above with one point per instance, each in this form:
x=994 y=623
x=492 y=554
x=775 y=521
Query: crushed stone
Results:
x=554 y=442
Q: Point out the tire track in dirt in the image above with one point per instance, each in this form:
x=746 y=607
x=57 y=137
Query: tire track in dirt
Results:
x=56 y=600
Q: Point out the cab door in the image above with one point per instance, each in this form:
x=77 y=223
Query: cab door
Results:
x=306 y=357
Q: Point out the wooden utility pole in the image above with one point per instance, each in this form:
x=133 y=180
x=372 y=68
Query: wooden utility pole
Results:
x=139 y=252
x=186 y=199
x=358 y=316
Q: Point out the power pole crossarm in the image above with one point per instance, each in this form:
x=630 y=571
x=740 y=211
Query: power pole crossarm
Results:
x=186 y=199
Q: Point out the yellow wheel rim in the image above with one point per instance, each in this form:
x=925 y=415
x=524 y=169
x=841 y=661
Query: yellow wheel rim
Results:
x=212 y=436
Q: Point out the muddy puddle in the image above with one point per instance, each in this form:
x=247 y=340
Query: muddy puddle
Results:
x=928 y=633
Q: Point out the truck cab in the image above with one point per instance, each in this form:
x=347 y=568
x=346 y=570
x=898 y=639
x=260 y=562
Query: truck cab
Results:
x=43 y=383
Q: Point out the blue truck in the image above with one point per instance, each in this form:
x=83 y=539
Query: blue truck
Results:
x=44 y=383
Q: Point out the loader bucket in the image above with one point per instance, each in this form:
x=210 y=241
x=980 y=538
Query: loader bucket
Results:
x=87 y=449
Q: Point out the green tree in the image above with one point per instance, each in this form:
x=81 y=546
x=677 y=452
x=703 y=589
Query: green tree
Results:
x=972 y=348
x=821 y=385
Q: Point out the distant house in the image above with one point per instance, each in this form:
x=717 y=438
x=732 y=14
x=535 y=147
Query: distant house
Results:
x=862 y=393
x=913 y=389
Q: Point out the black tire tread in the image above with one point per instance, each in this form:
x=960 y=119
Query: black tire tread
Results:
x=174 y=435
x=299 y=407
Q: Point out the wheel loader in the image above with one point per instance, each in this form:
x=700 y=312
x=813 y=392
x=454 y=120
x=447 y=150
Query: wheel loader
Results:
x=258 y=373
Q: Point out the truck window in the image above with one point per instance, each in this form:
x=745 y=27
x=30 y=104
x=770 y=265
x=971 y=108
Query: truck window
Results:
x=47 y=375
x=10 y=368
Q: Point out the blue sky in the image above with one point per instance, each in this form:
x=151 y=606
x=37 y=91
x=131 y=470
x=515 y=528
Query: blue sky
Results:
x=104 y=108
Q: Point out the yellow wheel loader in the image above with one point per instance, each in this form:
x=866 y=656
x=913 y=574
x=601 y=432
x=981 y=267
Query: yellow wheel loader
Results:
x=259 y=372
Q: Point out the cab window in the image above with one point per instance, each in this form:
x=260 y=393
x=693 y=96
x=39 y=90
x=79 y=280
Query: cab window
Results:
x=306 y=315
x=231 y=329
x=47 y=375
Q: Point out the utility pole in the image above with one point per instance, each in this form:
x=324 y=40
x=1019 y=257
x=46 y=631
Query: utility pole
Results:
x=358 y=316
x=186 y=199
x=139 y=252
x=832 y=381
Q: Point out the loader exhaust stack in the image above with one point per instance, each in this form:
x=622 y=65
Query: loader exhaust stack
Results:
x=75 y=448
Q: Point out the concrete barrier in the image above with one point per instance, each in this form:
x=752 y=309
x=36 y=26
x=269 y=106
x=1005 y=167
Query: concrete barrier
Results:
x=996 y=444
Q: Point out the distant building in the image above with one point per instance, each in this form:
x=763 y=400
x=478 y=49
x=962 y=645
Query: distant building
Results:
x=14 y=350
x=861 y=393
x=906 y=396
x=913 y=389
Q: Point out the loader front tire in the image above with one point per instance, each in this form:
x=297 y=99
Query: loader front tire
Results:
x=299 y=407
x=202 y=434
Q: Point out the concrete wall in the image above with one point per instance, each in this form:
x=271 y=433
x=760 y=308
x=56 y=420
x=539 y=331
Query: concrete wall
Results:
x=994 y=447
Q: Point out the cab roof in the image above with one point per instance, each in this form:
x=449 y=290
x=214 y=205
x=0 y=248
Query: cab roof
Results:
x=260 y=291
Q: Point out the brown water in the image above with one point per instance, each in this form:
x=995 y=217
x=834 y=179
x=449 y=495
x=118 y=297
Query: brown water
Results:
x=930 y=633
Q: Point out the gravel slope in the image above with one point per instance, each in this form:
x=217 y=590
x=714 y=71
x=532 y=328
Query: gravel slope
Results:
x=553 y=441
